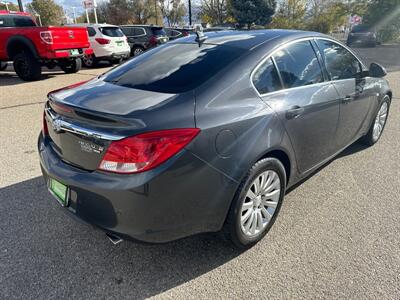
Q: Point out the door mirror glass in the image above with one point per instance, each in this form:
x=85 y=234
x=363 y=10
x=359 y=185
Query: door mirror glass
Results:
x=376 y=70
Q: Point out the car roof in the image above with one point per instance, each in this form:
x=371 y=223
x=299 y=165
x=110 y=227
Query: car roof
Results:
x=249 y=39
x=92 y=25
x=142 y=25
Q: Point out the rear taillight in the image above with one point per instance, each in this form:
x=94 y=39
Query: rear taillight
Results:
x=46 y=37
x=45 y=129
x=153 y=40
x=145 y=151
x=102 y=41
x=185 y=33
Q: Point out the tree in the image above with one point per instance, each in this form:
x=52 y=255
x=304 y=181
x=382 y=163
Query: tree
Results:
x=215 y=11
x=50 y=12
x=119 y=12
x=384 y=15
x=291 y=14
x=249 y=12
x=324 y=15
x=172 y=10
x=143 y=10
x=11 y=7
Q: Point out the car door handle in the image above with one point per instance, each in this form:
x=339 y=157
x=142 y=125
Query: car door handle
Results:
x=347 y=99
x=294 y=112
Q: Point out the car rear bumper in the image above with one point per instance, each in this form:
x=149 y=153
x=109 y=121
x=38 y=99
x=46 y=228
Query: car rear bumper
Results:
x=182 y=197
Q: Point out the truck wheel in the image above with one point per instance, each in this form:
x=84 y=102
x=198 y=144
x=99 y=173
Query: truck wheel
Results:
x=71 y=66
x=27 y=67
x=3 y=66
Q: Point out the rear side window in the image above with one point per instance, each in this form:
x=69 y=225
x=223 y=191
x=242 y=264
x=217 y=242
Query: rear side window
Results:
x=340 y=63
x=16 y=21
x=266 y=78
x=174 y=68
x=298 y=65
x=91 y=31
x=111 y=31
x=139 y=31
x=158 y=31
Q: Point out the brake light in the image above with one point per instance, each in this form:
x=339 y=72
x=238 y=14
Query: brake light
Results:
x=45 y=129
x=103 y=41
x=153 y=40
x=185 y=33
x=46 y=37
x=145 y=151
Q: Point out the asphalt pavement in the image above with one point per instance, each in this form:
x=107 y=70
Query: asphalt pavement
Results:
x=337 y=236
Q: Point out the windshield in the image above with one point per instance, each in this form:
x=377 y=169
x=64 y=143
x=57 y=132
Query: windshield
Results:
x=112 y=31
x=174 y=68
x=361 y=28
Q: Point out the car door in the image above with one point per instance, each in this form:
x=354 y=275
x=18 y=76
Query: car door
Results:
x=355 y=91
x=307 y=105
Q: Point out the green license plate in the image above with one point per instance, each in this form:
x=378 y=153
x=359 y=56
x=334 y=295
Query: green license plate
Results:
x=119 y=43
x=59 y=190
x=74 y=52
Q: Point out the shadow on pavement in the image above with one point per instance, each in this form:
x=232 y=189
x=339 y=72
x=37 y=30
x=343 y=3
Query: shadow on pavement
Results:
x=46 y=254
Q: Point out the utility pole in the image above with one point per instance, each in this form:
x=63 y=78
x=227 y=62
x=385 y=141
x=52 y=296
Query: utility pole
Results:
x=21 y=7
x=190 y=12
x=73 y=11
x=155 y=9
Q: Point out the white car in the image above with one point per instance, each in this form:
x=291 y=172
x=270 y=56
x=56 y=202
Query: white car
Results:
x=108 y=43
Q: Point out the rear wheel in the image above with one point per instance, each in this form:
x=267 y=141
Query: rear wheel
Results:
x=71 y=66
x=89 y=61
x=27 y=67
x=257 y=203
x=116 y=61
x=377 y=127
x=137 y=51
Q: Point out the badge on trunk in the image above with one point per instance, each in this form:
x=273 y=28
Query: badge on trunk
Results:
x=90 y=148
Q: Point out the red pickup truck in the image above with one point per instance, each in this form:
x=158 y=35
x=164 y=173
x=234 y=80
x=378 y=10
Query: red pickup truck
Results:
x=30 y=47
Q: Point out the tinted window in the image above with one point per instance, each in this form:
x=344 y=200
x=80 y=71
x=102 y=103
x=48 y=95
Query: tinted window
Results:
x=91 y=31
x=266 y=78
x=16 y=21
x=128 y=31
x=139 y=31
x=174 y=68
x=112 y=31
x=298 y=65
x=361 y=28
x=158 y=31
x=339 y=62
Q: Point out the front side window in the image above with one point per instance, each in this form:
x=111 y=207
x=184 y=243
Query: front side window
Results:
x=340 y=63
x=174 y=68
x=298 y=65
x=266 y=78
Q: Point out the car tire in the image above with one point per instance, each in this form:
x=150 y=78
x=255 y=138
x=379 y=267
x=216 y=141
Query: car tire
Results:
x=3 y=65
x=378 y=124
x=243 y=206
x=116 y=61
x=137 y=50
x=27 y=67
x=71 y=66
x=89 y=61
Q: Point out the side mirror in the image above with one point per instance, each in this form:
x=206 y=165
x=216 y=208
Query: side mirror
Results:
x=376 y=70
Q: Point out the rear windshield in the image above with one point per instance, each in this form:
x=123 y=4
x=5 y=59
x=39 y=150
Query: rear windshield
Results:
x=174 y=68
x=112 y=31
x=361 y=28
x=158 y=31
x=16 y=21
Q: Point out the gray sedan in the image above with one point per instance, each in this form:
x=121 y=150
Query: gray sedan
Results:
x=206 y=133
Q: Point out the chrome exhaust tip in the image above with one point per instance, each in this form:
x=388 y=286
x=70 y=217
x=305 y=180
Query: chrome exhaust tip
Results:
x=114 y=238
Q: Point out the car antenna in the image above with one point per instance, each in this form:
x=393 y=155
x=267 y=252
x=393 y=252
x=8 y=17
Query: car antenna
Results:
x=200 y=37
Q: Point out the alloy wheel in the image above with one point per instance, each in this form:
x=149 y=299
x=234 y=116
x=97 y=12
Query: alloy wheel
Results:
x=260 y=203
x=380 y=121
